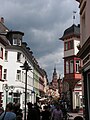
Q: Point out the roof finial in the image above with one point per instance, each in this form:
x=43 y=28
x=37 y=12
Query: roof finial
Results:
x=74 y=17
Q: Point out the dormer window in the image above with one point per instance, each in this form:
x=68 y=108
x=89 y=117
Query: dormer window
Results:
x=16 y=42
x=15 y=37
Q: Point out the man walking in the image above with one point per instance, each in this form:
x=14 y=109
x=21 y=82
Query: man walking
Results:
x=57 y=113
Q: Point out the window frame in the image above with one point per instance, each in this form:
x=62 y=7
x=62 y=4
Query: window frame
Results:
x=77 y=66
x=18 y=56
x=67 y=66
x=6 y=55
x=18 y=75
x=71 y=66
x=5 y=74
x=1 y=52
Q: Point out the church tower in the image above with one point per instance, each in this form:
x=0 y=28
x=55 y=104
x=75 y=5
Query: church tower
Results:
x=55 y=79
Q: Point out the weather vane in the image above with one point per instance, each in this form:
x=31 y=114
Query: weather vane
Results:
x=74 y=13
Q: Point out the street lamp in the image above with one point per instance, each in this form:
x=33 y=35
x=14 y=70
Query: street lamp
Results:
x=25 y=67
x=6 y=88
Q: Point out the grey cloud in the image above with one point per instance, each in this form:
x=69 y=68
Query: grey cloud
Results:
x=43 y=22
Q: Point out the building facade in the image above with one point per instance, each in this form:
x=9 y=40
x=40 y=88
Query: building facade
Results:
x=72 y=82
x=14 y=53
x=84 y=52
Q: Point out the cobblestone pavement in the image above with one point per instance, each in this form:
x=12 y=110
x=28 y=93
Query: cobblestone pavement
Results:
x=74 y=115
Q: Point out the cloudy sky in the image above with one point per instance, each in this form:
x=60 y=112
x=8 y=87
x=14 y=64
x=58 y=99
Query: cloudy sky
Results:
x=43 y=22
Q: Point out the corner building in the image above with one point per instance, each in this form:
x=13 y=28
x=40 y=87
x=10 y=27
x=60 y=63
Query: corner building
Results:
x=72 y=87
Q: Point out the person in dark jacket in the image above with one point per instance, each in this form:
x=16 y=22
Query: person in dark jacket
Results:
x=32 y=112
x=46 y=113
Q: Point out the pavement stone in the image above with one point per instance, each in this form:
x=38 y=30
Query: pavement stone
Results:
x=74 y=115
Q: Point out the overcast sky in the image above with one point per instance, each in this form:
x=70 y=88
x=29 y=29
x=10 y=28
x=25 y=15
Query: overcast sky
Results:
x=43 y=22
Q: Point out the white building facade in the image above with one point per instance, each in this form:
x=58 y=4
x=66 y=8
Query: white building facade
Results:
x=14 y=53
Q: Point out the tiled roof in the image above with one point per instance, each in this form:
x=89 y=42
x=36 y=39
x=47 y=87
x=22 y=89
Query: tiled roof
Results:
x=4 y=40
x=71 y=31
x=3 y=28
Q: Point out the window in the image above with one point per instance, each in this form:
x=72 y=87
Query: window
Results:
x=5 y=74
x=18 y=56
x=18 y=77
x=6 y=55
x=71 y=66
x=0 y=72
x=23 y=76
x=66 y=45
x=77 y=66
x=16 y=97
x=1 y=52
x=16 y=41
x=67 y=66
x=71 y=44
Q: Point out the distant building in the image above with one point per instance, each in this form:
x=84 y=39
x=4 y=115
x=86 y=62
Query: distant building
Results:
x=53 y=86
x=72 y=81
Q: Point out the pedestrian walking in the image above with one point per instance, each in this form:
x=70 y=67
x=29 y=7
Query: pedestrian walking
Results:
x=1 y=110
x=18 y=111
x=46 y=115
x=32 y=112
x=57 y=113
x=36 y=107
x=8 y=114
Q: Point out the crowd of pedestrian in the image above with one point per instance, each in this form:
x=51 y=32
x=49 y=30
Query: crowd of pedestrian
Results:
x=35 y=112
x=12 y=112
x=49 y=112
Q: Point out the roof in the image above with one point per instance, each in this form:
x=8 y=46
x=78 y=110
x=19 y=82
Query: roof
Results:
x=71 y=31
x=78 y=0
x=4 y=40
x=3 y=28
x=15 y=32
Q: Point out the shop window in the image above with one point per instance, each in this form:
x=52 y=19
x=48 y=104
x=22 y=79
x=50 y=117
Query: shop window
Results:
x=16 y=98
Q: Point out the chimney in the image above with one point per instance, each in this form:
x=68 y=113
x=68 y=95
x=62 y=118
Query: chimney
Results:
x=2 y=20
